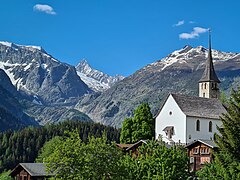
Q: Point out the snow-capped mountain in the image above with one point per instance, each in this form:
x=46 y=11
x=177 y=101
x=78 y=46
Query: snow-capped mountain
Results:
x=179 y=72
x=96 y=80
x=189 y=56
x=33 y=71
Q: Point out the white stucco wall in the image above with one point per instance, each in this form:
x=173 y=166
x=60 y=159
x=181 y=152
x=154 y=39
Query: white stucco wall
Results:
x=176 y=119
x=204 y=128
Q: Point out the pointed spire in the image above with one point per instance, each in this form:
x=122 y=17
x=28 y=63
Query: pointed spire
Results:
x=209 y=74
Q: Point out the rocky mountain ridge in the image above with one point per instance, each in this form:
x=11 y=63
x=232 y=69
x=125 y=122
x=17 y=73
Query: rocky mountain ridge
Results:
x=36 y=89
x=96 y=80
x=38 y=74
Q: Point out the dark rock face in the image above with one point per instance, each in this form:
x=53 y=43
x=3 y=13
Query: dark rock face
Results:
x=179 y=72
x=39 y=75
x=12 y=114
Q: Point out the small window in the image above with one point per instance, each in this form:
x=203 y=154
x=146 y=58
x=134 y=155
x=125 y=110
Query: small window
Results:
x=189 y=136
x=170 y=113
x=205 y=85
x=204 y=160
x=210 y=126
x=191 y=160
x=202 y=85
x=204 y=150
x=198 y=125
x=195 y=150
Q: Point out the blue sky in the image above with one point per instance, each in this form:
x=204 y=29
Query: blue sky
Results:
x=119 y=36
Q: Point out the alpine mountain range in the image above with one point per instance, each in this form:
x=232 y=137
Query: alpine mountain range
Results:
x=36 y=88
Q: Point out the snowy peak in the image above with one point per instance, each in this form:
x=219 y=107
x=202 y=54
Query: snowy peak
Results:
x=84 y=67
x=39 y=75
x=96 y=80
x=17 y=46
x=190 y=57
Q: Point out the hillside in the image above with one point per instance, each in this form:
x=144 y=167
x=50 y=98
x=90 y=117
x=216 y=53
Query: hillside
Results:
x=179 y=72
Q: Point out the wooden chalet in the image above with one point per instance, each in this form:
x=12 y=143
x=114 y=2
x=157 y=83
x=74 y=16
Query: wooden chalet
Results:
x=30 y=171
x=133 y=148
x=200 y=152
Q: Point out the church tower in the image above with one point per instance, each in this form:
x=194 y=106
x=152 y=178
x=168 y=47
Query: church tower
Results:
x=209 y=83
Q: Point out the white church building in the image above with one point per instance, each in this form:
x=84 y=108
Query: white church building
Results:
x=183 y=119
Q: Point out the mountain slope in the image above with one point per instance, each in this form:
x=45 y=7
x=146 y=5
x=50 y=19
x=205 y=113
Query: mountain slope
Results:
x=12 y=114
x=179 y=72
x=39 y=75
x=96 y=80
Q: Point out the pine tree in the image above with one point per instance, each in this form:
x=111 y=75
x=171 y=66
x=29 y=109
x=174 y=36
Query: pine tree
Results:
x=226 y=164
x=229 y=140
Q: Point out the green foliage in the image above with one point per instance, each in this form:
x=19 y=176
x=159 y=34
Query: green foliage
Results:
x=48 y=148
x=74 y=159
x=229 y=140
x=156 y=161
x=223 y=98
x=226 y=164
x=126 y=133
x=141 y=126
x=223 y=167
x=23 y=146
x=5 y=176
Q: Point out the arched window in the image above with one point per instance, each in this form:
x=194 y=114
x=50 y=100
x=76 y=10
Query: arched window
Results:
x=210 y=126
x=198 y=125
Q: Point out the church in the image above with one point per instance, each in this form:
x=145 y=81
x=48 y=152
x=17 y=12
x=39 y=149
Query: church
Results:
x=183 y=119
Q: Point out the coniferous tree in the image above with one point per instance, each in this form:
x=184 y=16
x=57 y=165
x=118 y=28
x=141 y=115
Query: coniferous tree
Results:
x=226 y=164
x=126 y=133
x=229 y=139
x=141 y=126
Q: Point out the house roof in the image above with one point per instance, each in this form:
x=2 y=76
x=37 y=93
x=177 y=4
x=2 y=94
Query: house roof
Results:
x=124 y=146
x=136 y=144
x=199 y=107
x=34 y=169
x=209 y=143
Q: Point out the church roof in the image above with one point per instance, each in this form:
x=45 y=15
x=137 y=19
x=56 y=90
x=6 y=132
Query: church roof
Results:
x=209 y=74
x=199 y=106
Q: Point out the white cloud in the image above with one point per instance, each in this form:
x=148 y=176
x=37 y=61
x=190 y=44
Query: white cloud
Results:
x=192 y=22
x=195 y=33
x=179 y=23
x=44 y=8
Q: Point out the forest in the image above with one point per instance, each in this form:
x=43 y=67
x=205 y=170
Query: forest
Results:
x=24 y=145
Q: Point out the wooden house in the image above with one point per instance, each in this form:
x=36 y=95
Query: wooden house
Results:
x=30 y=171
x=133 y=148
x=200 y=152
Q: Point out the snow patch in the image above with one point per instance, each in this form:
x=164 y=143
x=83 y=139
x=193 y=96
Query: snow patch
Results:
x=6 y=43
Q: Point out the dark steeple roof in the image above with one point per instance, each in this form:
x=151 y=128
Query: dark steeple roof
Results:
x=209 y=74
